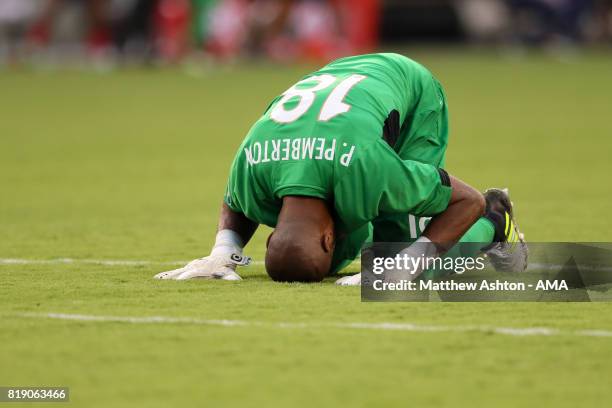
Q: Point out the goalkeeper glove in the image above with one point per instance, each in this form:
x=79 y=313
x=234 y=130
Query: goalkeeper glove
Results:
x=220 y=264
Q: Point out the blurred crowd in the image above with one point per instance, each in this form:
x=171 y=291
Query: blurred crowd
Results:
x=537 y=22
x=170 y=30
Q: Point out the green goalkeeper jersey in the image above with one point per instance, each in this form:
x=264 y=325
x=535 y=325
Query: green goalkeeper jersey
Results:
x=328 y=137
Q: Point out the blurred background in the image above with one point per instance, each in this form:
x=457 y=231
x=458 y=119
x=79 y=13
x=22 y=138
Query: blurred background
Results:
x=171 y=31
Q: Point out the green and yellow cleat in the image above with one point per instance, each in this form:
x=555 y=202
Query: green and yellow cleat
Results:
x=508 y=252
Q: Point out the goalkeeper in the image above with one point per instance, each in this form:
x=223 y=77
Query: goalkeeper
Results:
x=350 y=153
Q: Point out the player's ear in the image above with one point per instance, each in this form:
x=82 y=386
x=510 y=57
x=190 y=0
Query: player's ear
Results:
x=327 y=241
x=268 y=240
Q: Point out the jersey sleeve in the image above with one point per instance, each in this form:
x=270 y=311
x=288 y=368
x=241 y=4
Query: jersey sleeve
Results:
x=380 y=182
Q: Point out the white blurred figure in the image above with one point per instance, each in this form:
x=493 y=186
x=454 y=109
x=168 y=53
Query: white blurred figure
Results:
x=15 y=17
x=484 y=20
x=316 y=28
x=228 y=27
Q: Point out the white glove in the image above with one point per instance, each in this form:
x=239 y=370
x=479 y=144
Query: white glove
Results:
x=219 y=266
x=225 y=256
x=422 y=247
x=352 y=280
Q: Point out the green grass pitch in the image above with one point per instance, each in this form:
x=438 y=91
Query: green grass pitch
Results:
x=131 y=165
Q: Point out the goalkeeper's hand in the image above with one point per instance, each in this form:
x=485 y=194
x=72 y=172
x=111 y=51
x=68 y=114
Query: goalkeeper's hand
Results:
x=422 y=247
x=352 y=280
x=215 y=266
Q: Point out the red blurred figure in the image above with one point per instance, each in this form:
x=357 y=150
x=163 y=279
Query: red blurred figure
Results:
x=361 y=21
x=172 y=20
x=99 y=37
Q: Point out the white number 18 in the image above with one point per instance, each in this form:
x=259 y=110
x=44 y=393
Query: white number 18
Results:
x=332 y=107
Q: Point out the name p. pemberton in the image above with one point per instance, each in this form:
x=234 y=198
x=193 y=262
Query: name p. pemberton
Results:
x=452 y=285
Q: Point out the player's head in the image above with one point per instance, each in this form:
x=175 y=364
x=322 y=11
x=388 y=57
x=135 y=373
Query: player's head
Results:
x=302 y=245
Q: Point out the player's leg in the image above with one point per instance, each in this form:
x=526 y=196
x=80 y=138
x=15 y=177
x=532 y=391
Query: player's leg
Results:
x=424 y=137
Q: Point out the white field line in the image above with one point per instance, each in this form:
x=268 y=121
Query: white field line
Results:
x=105 y=262
x=127 y=262
x=402 y=327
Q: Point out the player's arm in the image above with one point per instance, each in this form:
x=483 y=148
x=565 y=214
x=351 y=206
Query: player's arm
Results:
x=238 y=223
x=466 y=205
x=234 y=232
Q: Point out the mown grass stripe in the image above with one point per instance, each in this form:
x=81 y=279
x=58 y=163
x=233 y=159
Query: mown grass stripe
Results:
x=381 y=326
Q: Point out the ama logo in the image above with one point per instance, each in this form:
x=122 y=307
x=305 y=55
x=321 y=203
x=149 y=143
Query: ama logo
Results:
x=552 y=285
